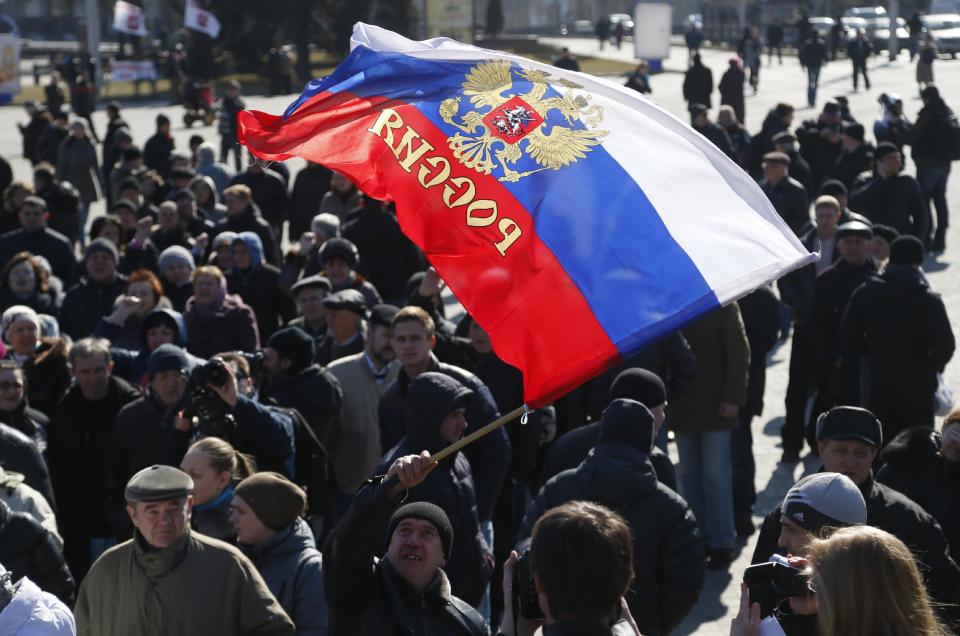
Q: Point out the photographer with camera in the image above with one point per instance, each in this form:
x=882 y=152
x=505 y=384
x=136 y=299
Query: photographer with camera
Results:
x=861 y=581
x=848 y=439
x=538 y=586
x=367 y=596
x=218 y=409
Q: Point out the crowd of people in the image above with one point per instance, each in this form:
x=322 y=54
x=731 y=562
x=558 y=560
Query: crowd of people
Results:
x=202 y=432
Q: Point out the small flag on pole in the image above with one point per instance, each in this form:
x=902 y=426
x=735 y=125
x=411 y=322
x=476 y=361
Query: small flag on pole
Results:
x=574 y=219
x=128 y=18
x=198 y=19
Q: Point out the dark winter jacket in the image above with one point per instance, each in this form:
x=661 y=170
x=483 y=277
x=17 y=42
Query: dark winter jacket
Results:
x=668 y=549
x=259 y=288
x=831 y=293
x=367 y=597
x=895 y=201
x=156 y=153
x=63 y=203
x=269 y=194
x=796 y=288
x=86 y=303
x=929 y=137
x=27 y=549
x=760 y=311
x=762 y=143
x=129 y=335
x=252 y=221
x=77 y=164
x=731 y=91
x=698 y=85
x=716 y=135
x=292 y=568
x=18 y=454
x=308 y=189
x=892 y=511
x=450 y=486
x=232 y=327
x=131 y=364
x=900 y=329
x=41 y=302
x=47 y=375
x=912 y=464
x=387 y=257
x=820 y=152
x=850 y=164
x=315 y=393
x=49 y=143
x=489 y=456
x=791 y=202
x=29 y=421
x=47 y=243
x=79 y=452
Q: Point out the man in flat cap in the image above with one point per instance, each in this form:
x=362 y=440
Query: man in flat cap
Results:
x=346 y=311
x=891 y=197
x=849 y=438
x=899 y=329
x=788 y=197
x=364 y=377
x=831 y=293
x=168 y=580
x=309 y=294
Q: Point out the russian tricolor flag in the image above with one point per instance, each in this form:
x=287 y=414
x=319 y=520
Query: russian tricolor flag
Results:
x=574 y=219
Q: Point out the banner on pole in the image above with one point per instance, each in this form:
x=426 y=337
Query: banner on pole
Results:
x=128 y=18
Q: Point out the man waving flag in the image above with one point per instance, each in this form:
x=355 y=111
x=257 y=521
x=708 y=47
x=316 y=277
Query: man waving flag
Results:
x=575 y=220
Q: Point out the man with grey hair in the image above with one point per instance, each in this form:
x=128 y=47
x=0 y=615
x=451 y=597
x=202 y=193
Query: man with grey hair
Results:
x=169 y=580
x=79 y=450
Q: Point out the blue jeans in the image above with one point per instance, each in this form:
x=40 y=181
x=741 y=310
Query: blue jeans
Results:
x=813 y=80
x=707 y=478
x=933 y=183
x=486 y=529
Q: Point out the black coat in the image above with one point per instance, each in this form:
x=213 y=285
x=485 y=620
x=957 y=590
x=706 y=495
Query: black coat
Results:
x=86 y=303
x=451 y=487
x=850 y=164
x=900 y=329
x=716 y=135
x=63 y=203
x=47 y=375
x=791 y=202
x=820 y=153
x=761 y=144
x=41 y=302
x=366 y=597
x=731 y=91
x=259 y=288
x=79 y=451
x=890 y=510
x=308 y=188
x=252 y=221
x=18 y=454
x=913 y=465
x=796 y=288
x=387 y=257
x=668 y=557
x=698 y=85
x=315 y=393
x=156 y=153
x=47 y=243
x=760 y=311
x=895 y=201
x=930 y=137
x=831 y=293
x=270 y=195
x=27 y=549
x=489 y=456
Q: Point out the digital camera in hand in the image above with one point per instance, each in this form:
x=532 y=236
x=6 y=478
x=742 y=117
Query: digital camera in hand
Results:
x=211 y=414
x=525 y=600
x=771 y=583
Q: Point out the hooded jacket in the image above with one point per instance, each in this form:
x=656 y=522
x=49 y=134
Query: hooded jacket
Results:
x=668 y=553
x=250 y=220
x=129 y=335
x=34 y=612
x=27 y=549
x=367 y=597
x=259 y=287
x=900 y=328
x=489 y=456
x=79 y=451
x=432 y=396
x=292 y=568
x=195 y=587
x=213 y=211
x=131 y=364
x=208 y=166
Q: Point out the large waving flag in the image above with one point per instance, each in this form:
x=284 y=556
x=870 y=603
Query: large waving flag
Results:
x=128 y=18
x=575 y=220
x=199 y=19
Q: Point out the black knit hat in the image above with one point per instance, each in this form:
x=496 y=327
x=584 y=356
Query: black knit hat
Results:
x=630 y=422
x=906 y=250
x=296 y=345
x=428 y=512
x=641 y=385
x=102 y=245
x=167 y=357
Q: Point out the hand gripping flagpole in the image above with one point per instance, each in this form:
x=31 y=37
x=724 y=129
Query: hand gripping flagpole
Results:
x=523 y=412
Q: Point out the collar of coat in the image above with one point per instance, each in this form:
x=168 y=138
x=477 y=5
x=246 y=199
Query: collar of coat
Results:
x=403 y=599
x=156 y=563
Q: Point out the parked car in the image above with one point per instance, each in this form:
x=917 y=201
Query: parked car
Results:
x=945 y=29
x=877 y=27
x=616 y=18
x=823 y=26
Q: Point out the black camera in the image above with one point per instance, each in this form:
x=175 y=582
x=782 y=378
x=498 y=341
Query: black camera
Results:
x=771 y=583
x=525 y=600
x=211 y=414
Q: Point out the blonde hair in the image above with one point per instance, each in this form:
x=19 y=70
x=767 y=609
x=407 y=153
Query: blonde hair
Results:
x=868 y=584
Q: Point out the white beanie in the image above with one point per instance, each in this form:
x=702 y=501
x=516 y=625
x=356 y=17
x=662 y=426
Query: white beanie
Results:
x=16 y=314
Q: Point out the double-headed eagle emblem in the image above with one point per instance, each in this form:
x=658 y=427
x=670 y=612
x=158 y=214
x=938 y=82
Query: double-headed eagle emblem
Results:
x=486 y=138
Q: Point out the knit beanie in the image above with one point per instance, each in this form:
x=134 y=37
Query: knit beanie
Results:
x=428 y=512
x=275 y=500
x=906 y=250
x=16 y=314
x=824 y=500
x=166 y=357
x=176 y=254
x=102 y=245
x=296 y=345
x=641 y=385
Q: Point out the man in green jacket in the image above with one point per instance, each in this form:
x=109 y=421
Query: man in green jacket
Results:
x=167 y=580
